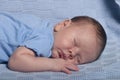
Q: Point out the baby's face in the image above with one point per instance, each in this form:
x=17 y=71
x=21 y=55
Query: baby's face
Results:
x=76 y=44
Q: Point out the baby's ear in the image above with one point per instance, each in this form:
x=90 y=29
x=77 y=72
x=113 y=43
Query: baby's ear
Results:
x=62 y=25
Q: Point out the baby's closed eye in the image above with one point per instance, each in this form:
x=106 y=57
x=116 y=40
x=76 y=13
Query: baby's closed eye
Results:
x=77 y=60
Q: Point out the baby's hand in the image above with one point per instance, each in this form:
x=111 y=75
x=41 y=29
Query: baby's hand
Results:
x=64 y=66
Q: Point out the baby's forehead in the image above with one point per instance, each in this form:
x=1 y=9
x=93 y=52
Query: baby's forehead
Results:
x=84 y=26
x=87 y=30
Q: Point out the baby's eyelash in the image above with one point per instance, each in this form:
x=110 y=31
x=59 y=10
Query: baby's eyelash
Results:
x=78 y=59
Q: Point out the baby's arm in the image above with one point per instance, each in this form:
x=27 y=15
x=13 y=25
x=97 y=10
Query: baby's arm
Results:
x=24 y=60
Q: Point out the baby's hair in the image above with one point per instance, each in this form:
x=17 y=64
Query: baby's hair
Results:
x=98 y=27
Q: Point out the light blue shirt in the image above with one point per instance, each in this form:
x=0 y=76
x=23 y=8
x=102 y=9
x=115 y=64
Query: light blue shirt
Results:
x=24 y=30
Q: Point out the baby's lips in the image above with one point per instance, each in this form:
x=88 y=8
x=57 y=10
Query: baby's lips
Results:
x=62 y=55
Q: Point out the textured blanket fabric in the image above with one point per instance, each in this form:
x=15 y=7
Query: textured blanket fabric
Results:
x=107 y=12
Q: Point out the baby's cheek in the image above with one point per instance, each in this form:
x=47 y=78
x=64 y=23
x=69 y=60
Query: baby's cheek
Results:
x=67 y=45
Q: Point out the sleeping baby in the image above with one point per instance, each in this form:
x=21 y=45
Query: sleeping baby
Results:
x=31 y=44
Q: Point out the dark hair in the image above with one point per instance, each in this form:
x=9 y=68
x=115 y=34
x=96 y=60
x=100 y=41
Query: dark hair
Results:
x=99 y=29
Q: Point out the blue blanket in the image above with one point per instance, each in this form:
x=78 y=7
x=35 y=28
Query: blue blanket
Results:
x=105 y=11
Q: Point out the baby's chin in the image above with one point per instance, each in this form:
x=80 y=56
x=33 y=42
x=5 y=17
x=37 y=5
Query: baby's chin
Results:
x=55 y=56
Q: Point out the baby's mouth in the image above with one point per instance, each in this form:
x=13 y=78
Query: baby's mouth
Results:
x=61 y=55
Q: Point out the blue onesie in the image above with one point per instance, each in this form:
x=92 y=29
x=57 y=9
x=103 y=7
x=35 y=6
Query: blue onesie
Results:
x=24 y=30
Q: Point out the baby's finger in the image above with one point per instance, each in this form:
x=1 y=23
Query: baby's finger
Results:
x=72 y=67
x=66 y=71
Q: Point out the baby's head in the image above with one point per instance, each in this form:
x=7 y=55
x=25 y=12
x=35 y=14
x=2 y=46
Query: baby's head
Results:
x=79 y=40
